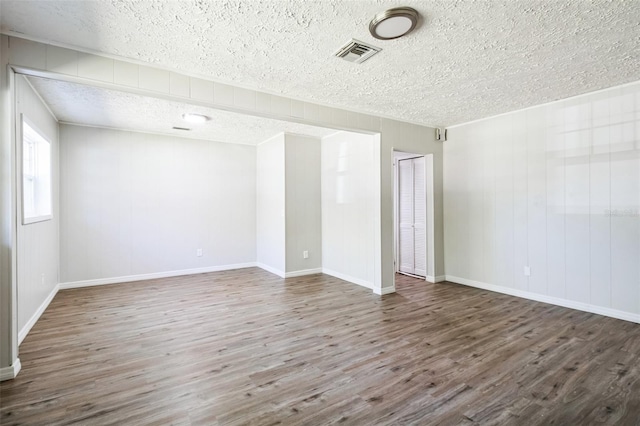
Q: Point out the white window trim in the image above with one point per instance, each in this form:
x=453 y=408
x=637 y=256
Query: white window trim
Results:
x=41 y=218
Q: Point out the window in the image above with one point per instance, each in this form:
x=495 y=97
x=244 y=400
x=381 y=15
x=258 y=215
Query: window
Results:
x=36 y=175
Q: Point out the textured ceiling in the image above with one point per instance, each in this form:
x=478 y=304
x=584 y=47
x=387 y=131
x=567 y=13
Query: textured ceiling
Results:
x=467 y=60
x=77 y=103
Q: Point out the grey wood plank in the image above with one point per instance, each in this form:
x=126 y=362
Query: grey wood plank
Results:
x=246 y=347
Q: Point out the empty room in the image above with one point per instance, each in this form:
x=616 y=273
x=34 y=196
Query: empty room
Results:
x=317 y=212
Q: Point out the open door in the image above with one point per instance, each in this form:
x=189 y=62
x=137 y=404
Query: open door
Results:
x=412 y=216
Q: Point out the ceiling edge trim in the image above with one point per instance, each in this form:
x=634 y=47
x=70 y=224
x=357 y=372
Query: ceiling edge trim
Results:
x=271 y=137
x=619 y=86
x=147 y=132
x=319 y=138
x=46 y=105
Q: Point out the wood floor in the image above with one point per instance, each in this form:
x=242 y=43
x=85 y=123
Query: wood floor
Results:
x=246 y=347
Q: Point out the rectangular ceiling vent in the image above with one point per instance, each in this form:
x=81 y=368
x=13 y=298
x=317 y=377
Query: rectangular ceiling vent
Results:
x=356 y=51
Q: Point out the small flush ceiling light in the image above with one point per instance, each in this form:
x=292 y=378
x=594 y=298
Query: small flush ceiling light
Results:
x=393 y=23
x=195 y=118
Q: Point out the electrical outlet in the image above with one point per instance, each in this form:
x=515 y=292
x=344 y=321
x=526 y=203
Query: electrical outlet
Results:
x=527 y=271
x=199 y=252
x=305 y=254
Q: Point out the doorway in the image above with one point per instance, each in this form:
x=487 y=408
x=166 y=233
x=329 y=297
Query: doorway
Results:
x=413 y=215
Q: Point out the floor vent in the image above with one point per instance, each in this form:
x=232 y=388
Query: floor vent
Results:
x=356 y=51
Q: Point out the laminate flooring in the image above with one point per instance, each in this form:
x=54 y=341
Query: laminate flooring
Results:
x=245 y=347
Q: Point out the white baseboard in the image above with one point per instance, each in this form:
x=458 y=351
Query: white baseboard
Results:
x=155 y=275
x=349 y=278
x=440 y=278
x=36 y=316
x=268 y=268
x=384 y=290
x=302 y=272
x=594 y=309
x=8 y=373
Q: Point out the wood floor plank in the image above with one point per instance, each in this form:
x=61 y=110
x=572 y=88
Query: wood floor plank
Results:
x=246 y=347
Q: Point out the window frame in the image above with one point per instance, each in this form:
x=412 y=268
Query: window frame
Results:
x=35 y=177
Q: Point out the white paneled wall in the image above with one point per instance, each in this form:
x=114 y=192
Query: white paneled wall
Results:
x=288 y=205
x=349 y=195
x=303 y=208
x=555 y=188
x=135 y=204
x=9 y=362
x=270 y=204
x=395 y=136
x=37 y=243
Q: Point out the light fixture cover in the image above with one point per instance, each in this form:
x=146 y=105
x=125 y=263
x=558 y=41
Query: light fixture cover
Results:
x=393 y=23
x=195 y=118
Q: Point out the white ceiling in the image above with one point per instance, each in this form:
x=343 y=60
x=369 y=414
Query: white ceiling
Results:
x=77 y=103
x=467 y=60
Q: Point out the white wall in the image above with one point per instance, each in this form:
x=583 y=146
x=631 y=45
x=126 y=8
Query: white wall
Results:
x=270 y=205
x=350 y=198
x=9 y=362
x=134 y=204
x=555 y=188
x=396 y=136
x=302 y=199
x=37 y=243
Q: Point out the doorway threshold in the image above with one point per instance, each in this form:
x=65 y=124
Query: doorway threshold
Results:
x=412 y=275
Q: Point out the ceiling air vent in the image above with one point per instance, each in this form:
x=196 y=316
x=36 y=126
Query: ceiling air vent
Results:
x=356 y=51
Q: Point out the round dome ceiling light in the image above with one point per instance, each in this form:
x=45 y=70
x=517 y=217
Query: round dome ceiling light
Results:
x=195 y=118
x=393 y=23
